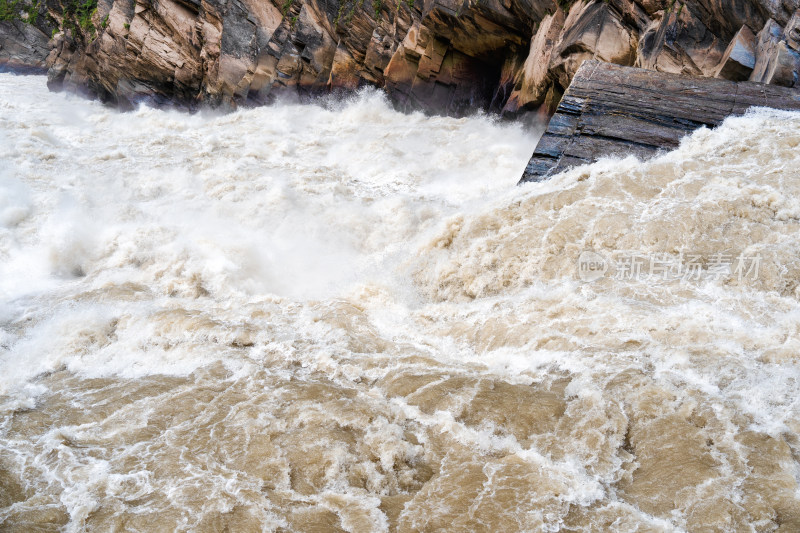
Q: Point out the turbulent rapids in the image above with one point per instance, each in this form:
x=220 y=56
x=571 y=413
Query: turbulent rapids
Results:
x=341 y=318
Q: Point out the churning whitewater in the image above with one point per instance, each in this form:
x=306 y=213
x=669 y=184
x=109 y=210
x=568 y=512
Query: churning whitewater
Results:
x=341 y=318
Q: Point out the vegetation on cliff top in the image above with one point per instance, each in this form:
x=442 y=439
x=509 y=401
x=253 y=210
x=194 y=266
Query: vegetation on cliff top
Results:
x=82 y=11
x=77 y=15
x=16 y=10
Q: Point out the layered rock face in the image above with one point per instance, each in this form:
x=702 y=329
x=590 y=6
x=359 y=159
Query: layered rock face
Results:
x=24 y=36
x=444 y=56
x=610 y=110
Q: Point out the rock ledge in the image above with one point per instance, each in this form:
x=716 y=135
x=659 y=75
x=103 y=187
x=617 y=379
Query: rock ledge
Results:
x=610 y=110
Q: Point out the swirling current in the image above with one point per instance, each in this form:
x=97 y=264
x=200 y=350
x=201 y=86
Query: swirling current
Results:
x=337 y=317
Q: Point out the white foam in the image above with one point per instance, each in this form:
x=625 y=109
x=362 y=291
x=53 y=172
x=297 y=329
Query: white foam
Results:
x=350 y=241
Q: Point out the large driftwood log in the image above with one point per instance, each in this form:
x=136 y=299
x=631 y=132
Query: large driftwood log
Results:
x=610 y=110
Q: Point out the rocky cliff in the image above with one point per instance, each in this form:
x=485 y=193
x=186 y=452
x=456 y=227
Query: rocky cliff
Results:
x=609 y=110
x=24 y=37
x=446 y=56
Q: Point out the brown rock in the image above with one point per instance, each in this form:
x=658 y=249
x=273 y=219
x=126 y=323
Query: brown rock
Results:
x=679 y=42
x=562 y=42
x=776 y=63
x=793 y=31
x=444 y=56
x=781 y=66
x=534 y=78
x=740 y=58
x=595 y=31
x=767 y=42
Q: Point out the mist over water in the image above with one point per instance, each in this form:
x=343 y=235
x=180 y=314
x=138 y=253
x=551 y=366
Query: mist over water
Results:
x=343 y=318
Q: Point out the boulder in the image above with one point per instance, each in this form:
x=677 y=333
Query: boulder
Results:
x=681 y=42
x=610 y=110
x=792 y=32
x=776 y=62
x=740 y=58
x=781 y=67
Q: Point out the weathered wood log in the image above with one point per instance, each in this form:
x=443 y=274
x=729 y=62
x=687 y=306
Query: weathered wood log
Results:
x=609 y=110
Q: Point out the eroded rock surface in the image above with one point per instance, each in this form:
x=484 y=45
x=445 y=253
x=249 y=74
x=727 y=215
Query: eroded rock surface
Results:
x=23 y=45
x=612 y=110
x=444 y=56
